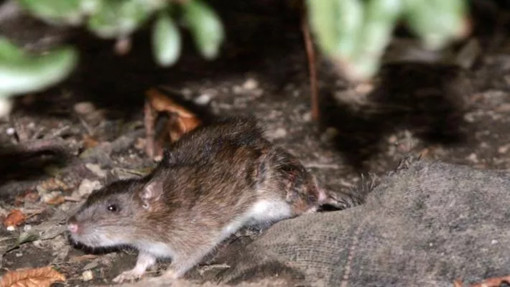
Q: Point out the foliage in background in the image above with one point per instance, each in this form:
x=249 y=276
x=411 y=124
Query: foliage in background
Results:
x=354 y=33
x=112 y=19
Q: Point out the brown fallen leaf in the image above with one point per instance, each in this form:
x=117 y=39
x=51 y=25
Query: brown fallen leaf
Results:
x=493 y=282
x=14 y=218
x=180 y=120
x=52 y=184
x=56 y=200
x=38 y=277
x=89 y=142
x=28 y=196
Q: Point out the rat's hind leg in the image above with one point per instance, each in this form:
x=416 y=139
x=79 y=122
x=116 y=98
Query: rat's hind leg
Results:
x=144 y=261
x=181 y=263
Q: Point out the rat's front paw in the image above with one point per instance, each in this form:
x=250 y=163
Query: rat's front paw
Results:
x=130 y=275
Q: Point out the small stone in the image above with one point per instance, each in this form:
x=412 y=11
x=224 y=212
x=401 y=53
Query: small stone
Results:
x=364 y=88
x=307 y=117
x=250 y=84
x=87 y=275
x=186 y=92
x=278 y=133
x=96 y=169
x=50 y=196
x=203 y=99
x=11 y=228
x=392 y=139
x=10 y=131
x=503 y=149
x=87 y=187
x=473 y=158
x=237 y=90
x=5 y=107
x=329 y=134
x=494 y=241
x=84 y=108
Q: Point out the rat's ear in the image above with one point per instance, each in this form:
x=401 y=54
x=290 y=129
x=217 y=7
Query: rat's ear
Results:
x=151 y=193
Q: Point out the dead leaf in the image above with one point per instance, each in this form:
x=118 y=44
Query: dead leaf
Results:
x=180 y=120
x=56 y=200
x=14 y=218
x=493 y=282
x=28 y=196
x=457 y=283
x=38 y=277
x=51 y=185
x=89 y=142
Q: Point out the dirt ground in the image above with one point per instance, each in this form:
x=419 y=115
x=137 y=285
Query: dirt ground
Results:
x=59 y=144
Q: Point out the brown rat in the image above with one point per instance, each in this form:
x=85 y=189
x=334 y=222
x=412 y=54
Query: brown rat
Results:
x=213 y=181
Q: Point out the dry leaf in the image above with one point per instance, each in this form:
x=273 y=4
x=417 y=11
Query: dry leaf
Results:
x=56 y=200
x=180 y=120
x=52 y=184
x=15 y=218
x=39 y=277
x=89 y=142
x=493 y=282
x=28 y=196
x=161 y=103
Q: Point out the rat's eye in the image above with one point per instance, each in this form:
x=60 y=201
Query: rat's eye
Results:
x=112 y=208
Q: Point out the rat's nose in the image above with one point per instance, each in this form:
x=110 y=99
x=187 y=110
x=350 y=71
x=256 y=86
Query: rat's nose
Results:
x=73 y=227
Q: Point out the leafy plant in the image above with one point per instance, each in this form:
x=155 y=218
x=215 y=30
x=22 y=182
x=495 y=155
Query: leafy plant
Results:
x=354 y=33
x=22 y=73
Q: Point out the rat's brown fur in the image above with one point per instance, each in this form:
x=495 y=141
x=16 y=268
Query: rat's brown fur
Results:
x=210 y=183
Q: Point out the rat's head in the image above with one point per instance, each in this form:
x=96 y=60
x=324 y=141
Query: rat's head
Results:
x=116 y=214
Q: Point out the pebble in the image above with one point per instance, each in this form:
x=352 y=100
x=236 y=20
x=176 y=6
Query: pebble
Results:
x=87 y=187
x=329 y=134
x=96 y=169
x=203 y=99
x=5 y=107
x=473 y=158
x=250 y=84
x=237 y=90
x=87 y=275
x=503 y=149
x=10 y=131
x=307 y=117
x=277 y=134
x=84 y=108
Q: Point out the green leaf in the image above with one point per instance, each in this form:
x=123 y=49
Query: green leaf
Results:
x=59 y=11
x=336 y=24
x=380 y=19
x=166 y=41
x=437 y=22
x=24 y=73
x=117 y=18
x=205 y=27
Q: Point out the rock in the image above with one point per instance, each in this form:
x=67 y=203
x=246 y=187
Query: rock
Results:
x=203 y=99
x=87 y=275
x=250 y=84
x=86 y=188
x=96 y=169
x=84 y=108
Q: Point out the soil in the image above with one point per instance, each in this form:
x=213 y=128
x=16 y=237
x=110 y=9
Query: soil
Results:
x=90 y=127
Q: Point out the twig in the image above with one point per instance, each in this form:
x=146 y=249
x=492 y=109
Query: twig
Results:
x=310 y=55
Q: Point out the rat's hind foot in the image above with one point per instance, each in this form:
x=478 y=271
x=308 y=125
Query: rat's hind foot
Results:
x=130 y=275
